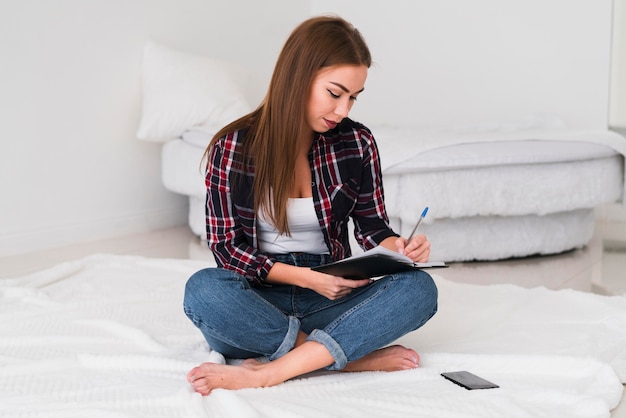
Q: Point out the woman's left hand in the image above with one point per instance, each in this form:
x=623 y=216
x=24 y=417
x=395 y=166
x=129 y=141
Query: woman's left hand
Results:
x=418 y=249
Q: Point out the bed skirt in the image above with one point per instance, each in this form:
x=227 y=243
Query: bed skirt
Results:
x=500 y=237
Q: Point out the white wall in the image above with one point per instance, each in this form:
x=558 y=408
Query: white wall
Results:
x=71 y=169
x=618 y=67
x=453 y=62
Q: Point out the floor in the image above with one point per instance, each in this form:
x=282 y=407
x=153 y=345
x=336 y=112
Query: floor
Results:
x=600 y=267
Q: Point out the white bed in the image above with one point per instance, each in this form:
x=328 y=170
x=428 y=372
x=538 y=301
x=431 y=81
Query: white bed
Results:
x=499 y=193
x=491 y=196
x=497 y=190
x=106 y=336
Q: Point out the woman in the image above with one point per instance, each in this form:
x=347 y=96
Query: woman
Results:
x=282 y=183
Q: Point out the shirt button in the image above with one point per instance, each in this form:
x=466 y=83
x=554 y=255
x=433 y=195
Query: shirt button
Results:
x=312 y=184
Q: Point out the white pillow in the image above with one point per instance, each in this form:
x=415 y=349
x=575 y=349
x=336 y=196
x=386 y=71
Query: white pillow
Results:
x=182 y=90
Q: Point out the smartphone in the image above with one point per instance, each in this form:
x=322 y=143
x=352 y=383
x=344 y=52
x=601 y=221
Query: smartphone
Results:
x=469 y=380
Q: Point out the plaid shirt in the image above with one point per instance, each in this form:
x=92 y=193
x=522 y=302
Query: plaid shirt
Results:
x=347 y=182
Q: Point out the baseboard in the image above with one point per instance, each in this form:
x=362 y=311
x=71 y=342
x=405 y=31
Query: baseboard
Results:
x=80 y=232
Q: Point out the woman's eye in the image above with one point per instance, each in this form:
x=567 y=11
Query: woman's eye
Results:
x=333 y=95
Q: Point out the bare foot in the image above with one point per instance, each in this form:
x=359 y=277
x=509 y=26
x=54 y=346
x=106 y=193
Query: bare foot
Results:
x=208 y=376
x=305 y=358
x=388 y=359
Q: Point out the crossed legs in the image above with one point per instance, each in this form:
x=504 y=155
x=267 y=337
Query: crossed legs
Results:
x=304 y=358
x=387 y=310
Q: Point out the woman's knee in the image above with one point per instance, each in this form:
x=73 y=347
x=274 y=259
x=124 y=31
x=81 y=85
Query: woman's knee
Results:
x=422 y=294
x=428 y=287
x=196 y=285
x=206 y=287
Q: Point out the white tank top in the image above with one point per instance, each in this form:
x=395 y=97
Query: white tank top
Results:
x=306 y=234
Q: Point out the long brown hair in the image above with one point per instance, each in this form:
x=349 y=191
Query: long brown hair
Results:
x=278 y=125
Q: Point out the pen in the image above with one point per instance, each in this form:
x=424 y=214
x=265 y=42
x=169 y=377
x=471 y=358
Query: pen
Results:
x=419 y=221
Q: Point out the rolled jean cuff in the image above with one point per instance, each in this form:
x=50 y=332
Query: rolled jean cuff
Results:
x=290 y=339
x=333 y=348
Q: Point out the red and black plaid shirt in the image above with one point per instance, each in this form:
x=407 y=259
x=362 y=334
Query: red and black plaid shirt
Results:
x=347 y=182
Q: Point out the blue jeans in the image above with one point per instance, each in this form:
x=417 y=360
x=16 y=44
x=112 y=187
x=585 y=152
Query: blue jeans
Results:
x=241 y=321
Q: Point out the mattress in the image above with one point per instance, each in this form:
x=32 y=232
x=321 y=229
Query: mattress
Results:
x=504 y=178
x=496 y=200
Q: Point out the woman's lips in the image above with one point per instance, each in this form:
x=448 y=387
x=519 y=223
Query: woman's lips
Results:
x=330 y=123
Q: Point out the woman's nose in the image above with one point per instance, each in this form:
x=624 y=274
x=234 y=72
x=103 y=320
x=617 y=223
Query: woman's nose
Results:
x=343 y=108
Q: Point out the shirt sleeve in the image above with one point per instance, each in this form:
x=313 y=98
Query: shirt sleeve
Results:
x=370 y=215
x=230 y=226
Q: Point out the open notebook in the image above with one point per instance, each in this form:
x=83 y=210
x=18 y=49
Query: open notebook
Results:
x=379 y=261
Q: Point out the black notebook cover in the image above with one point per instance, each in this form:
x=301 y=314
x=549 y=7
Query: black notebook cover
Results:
x=376 y=264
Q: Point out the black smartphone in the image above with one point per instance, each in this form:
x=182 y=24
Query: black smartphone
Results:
x=469 y=380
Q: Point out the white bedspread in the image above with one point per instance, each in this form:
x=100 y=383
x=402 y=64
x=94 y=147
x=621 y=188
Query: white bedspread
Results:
x=106 y=337
x=400 y=146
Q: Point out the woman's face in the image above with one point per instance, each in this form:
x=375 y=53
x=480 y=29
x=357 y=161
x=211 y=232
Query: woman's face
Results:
x=333 y=92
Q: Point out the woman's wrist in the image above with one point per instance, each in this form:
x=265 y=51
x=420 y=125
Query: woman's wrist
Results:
x=282 y=273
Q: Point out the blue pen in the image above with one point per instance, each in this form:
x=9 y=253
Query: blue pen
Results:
x=419 y=221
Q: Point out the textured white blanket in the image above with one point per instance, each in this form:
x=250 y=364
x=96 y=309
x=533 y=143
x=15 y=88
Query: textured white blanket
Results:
x=400 y=145
x=394 y=142
x=106 y=337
